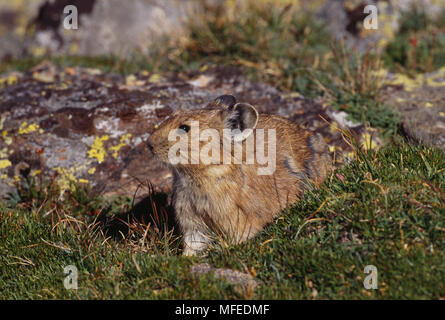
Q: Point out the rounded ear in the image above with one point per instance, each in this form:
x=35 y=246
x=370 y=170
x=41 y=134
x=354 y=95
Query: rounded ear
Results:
x=226 y=100
x=243 y=118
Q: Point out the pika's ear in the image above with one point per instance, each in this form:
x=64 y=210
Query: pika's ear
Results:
x=226 y=100
x=243 y=117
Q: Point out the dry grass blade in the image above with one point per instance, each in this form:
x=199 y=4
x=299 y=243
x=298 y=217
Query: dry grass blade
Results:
x=52 y=244
x=23 y=261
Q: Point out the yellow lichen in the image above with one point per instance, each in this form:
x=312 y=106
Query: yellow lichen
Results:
x=97 y=149
x=333 y=127
x=10 y=80
x=130 y=80
x=8 y=140
x=411 y=83
x=62 y=86
x=37 y=51
x=367 y=142
x=154 y=78
x=5 y=163
x=407 y=82
x=36 y=172
x=92 y=171
x=292 y=95
x=433 y=83
x=4 y=153
x=349 y=155
x=74 y=48
x=25 y=128
x=121 y=144
x=67 y=179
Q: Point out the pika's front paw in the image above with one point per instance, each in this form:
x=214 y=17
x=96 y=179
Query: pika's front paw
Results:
x=194 y=249
x=194 y=243
x=189 y=252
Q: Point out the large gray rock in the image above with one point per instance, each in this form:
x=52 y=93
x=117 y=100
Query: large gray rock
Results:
x=121 y=28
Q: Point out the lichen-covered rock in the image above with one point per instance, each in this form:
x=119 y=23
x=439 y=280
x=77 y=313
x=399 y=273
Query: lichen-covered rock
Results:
x=89 y=127
x=420 y=101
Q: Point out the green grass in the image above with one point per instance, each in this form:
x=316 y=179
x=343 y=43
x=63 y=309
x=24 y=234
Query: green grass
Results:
x=371 y=113
x=273 y=43
x=386 y=208
x=419 y=46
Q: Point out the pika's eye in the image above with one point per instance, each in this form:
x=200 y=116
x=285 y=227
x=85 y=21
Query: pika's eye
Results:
x=184 y=127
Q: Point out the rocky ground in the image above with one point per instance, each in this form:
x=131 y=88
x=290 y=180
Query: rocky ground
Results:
x=89 y=127
x=420 y=101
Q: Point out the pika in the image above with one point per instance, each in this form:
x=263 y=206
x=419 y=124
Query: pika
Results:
x=222 y=181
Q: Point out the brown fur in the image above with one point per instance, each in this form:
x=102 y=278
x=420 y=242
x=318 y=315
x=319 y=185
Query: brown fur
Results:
x=232 y=199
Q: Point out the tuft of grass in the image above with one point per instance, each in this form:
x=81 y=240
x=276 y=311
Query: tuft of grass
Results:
x=371 y=113
x=275 y=43
x=386 y=208
x=351 y=84
x=143 y=226
x=419 y=45
x=350 y=74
